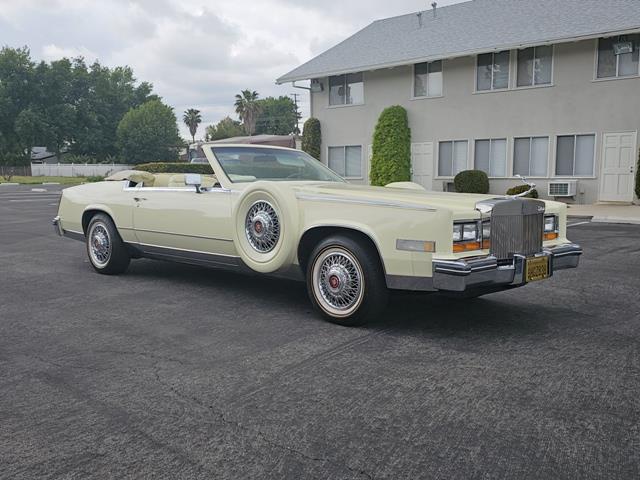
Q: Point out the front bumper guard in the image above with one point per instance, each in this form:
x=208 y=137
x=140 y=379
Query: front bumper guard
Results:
x=487 y=272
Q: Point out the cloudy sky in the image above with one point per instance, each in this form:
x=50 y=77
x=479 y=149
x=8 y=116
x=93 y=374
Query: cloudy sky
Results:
x=197 y=54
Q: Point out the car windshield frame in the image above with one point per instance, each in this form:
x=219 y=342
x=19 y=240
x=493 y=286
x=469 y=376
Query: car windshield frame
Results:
x=303 y=167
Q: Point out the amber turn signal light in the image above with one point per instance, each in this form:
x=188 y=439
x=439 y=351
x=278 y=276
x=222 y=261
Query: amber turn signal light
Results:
x=465 y=247
x=550 y=236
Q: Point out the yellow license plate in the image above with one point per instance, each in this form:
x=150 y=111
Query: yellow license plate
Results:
x=537 y=268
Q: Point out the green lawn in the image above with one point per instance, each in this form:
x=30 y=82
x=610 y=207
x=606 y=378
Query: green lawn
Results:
x=38 y=180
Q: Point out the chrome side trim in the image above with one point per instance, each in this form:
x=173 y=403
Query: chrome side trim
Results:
x=185 y=250
x=177 y=234
x=187 y=256
x=363 y=201
x=127 y=188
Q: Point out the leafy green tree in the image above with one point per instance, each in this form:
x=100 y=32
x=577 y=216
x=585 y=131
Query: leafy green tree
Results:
x=312 y=137
x=149 y=133
x=225 y=128
x=277 y=116
x=248 y=109
x=67 y=105
x=391 y=160
x=192 y=119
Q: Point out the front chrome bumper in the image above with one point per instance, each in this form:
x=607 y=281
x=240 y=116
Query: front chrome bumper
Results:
x=486 y=272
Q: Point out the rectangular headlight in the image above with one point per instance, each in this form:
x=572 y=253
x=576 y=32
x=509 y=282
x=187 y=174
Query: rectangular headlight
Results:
x=465 y=232
x=550 y=223
x=457 y=232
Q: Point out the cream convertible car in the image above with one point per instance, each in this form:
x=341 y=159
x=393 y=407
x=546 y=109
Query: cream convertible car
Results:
x=279 y=211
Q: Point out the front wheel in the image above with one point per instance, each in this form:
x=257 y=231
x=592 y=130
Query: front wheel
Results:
x=345 y=281
x=107 y=252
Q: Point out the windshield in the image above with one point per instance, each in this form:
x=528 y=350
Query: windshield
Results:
x=248 y=164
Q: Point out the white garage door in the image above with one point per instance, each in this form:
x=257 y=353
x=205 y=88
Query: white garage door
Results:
x=422 y=164
x=618 y=162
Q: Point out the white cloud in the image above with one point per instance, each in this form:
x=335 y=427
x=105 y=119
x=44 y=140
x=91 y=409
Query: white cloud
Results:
x=197 y=54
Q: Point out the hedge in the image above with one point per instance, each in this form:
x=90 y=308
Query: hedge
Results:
x=312 y=137
x=471 y=181
x=391 y=158
x=165 y=167
x=518 y=189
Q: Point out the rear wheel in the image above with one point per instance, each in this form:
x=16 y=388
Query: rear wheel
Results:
x=345 y=281
x=107 y=252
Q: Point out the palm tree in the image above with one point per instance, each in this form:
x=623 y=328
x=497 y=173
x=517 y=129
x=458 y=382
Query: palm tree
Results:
x=248 y=108
x=192 y=119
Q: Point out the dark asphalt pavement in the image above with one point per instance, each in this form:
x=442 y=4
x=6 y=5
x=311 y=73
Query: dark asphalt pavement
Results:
x=172 y=371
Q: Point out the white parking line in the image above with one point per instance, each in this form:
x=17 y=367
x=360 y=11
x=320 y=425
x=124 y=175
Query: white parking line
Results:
x=576 y=224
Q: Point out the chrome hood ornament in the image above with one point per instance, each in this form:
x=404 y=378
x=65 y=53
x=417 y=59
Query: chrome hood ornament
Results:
x=531 y=185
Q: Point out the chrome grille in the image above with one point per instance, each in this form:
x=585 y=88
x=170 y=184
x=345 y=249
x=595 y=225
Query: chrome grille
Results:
x=516 y=228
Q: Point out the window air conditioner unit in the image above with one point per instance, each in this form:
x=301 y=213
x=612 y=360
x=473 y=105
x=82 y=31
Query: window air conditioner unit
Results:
x=316 y=86
x=563 y=188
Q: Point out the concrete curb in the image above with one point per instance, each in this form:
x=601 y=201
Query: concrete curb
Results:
x=9 y=184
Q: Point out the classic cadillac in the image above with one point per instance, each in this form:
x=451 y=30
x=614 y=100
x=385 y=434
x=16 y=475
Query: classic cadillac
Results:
x=279 y=211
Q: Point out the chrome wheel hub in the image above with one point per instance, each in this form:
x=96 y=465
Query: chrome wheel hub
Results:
x=262 y=227
x=99 y=244
x=338 y=282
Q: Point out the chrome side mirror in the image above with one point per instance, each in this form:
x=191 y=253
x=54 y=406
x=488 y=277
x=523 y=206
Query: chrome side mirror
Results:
x=193 y=180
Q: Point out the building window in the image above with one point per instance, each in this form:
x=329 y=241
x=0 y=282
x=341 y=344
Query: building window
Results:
x=534 y=66
x=346 y=161
x=452 y=157
x=491 y=156
x=427 y=79
x=625 y=63
x=493 y=71
x=574 y=155
x=346 y=89
x=530 y=156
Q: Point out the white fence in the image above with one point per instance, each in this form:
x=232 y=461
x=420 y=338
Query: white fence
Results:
x=76 y=169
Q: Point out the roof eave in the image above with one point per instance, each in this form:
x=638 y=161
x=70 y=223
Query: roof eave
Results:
x=287 y=78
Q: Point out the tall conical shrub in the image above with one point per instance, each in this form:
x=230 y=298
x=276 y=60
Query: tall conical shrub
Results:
x=391 y=159
x=312 y=137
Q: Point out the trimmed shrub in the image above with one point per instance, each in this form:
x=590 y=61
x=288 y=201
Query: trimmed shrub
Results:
x=164 y=167
x=312 y=137
x=391 y=159
x=518 y=189
x=471 y=181
x=95 y=178
x=638 y=177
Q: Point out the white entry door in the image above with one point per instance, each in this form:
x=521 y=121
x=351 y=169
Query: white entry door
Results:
x=422 y=164
x=618 y=161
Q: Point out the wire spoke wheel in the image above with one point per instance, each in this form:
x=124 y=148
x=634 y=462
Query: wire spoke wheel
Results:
x=99 y=244
x=338 y=282
x=262 y=227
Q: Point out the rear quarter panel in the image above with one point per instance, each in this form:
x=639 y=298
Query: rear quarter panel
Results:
x=108 y=197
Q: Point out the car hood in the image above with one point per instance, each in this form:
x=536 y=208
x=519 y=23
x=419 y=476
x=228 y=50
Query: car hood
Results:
x=456 y=202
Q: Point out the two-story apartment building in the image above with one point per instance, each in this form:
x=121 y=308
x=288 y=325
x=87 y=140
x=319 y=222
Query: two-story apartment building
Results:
x=548 y=89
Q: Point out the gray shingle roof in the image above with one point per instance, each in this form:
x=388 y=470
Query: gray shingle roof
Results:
x=467 y=28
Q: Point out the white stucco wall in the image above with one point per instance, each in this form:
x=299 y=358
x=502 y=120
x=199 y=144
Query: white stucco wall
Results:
x=575 y=103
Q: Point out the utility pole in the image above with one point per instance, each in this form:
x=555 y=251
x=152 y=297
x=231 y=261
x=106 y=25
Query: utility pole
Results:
x=295 y=101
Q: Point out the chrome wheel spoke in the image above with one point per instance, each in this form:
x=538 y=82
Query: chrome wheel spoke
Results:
x=99 y=244
x=262 y=227
x=338 y=281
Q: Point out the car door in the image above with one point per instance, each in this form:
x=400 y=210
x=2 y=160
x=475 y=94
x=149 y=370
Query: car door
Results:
x=179 y=223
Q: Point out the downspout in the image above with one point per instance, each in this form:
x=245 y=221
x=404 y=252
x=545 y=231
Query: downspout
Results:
x=310 y=96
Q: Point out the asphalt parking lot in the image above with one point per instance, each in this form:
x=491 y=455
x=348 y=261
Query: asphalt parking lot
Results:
x=173 y=371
